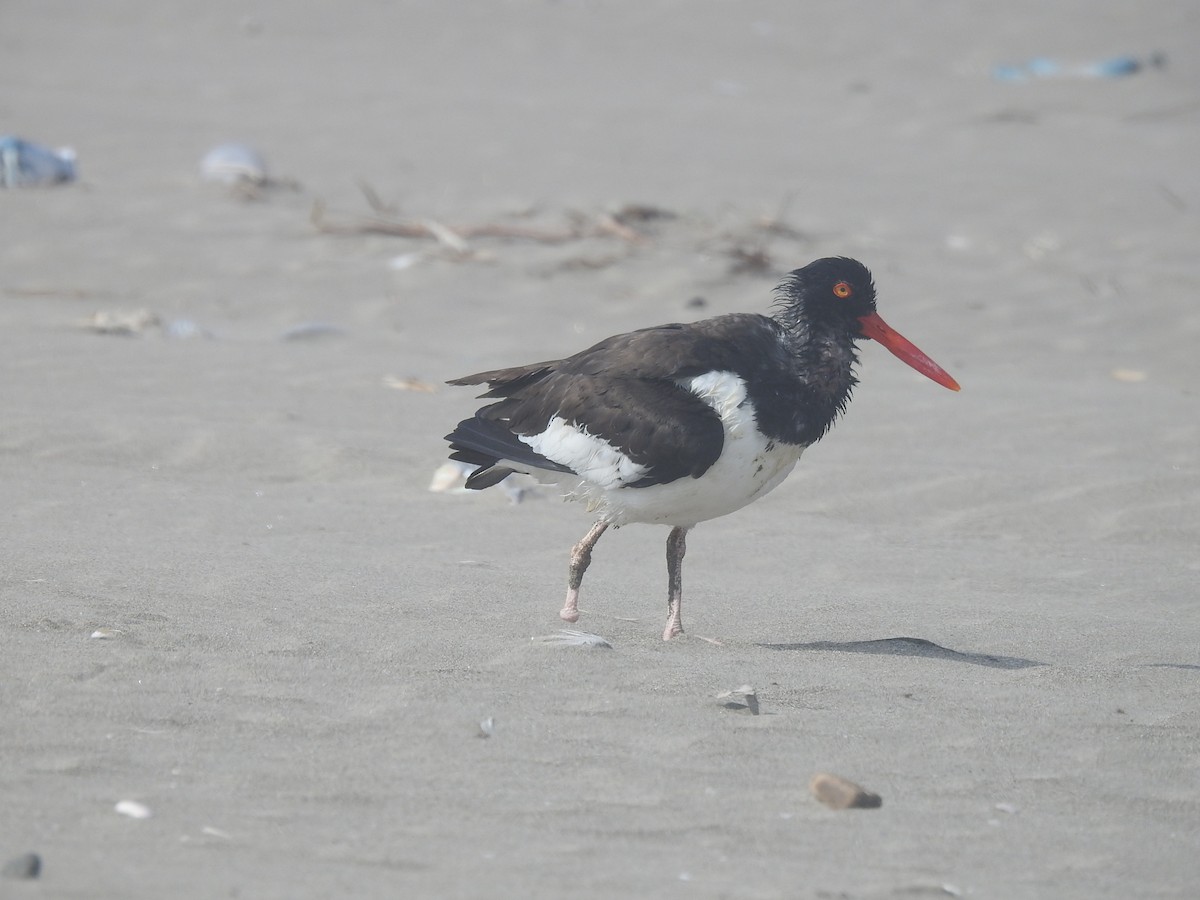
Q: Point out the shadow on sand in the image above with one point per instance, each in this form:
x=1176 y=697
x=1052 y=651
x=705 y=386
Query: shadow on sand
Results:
x=910 y=646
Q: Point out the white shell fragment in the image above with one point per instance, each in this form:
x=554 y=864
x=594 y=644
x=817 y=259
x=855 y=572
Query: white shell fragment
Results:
x=102 y=634
x=123 y=322
x=569 y=637
x=234 y=163
x=451 y=477
x=744 y=697
x=411 y=383
x=133 y=809
x=487 y=727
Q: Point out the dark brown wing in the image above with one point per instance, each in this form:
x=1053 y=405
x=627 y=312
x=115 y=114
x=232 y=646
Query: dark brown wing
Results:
x=625 y=390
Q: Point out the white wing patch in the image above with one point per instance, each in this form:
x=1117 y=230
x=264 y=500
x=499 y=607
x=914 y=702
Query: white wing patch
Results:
x=725 y=392
x=592 y=458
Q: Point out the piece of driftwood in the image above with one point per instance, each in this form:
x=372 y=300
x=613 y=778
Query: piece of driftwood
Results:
x=456 y=236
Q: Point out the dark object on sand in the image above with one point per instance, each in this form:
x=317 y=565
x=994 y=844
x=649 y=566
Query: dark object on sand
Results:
x=679 y=424
x=837 y=792
x=25 y=866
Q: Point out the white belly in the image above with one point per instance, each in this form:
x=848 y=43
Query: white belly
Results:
x=749 y=467
x=747 y=470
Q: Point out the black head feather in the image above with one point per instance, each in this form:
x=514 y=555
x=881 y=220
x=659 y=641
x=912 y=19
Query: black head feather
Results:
x=831 y=293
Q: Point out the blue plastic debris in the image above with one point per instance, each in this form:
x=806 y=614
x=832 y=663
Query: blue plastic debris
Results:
x=25 y=164
x=1043 y=67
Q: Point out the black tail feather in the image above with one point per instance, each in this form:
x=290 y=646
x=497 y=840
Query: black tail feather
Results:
x=484 y=442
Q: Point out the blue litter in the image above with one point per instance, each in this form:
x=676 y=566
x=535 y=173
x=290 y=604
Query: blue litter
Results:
x=25 y=164
x=1043 y=67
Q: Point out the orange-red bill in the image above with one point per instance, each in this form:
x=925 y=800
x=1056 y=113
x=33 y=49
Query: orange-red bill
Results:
x=878 y=330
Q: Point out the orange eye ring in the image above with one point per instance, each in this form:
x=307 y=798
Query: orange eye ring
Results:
x=842 y=289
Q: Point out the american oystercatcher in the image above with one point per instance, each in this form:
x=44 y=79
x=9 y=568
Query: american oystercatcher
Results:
x=678 y=424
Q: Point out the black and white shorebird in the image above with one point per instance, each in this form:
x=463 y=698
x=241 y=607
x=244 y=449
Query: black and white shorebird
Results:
x=678 y=424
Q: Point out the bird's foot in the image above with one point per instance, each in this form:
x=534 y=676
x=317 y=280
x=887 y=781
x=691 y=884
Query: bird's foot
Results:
x=674 y=625
x=570 y=610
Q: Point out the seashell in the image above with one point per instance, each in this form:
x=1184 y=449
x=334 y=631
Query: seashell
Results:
x=234 y=163
x=570 y=637
x=744 y=697
x=450 y=477
x=133 y=809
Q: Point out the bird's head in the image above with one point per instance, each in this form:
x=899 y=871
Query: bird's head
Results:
x=837 y=295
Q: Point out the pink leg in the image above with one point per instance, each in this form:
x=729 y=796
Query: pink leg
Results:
x=581 y=558
x=676 y=547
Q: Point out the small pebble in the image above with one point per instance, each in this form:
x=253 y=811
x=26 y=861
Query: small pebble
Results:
x=839 y=793
x=487 y=727
x=27 y=865
x=133 y=809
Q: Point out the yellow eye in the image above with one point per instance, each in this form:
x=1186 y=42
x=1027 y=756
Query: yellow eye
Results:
x=843 y=290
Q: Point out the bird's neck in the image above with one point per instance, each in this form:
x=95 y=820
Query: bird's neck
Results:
x=823 y=359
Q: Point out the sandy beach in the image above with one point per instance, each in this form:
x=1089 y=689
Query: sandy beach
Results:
x=230 y=601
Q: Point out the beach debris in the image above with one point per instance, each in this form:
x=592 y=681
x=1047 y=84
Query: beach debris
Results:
x=487 y=727
x=570 y=637
x=26 y=164
x=234 y=164
x=138 y=322
x=133 y=809
x=122 y=322
x=404 y=261
x=184 y=330
x=640 y=213
x=457 y=237
x=210 y=831
x=243 y=170
x=411 y=383
x=451 y=478
x=26 y=866
x=837 y=792
x=1130 y=376
x=744 y=697
x=312 y=331
x=103 y=634
x=1008 y=808
x=1043 y=67
x=749 y=261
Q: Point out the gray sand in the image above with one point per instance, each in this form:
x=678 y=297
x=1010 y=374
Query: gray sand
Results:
x=305 y=639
